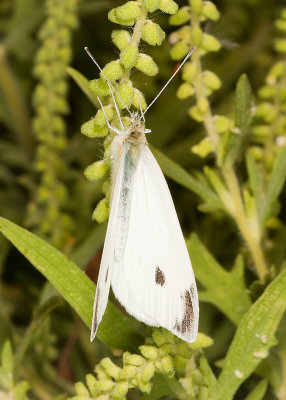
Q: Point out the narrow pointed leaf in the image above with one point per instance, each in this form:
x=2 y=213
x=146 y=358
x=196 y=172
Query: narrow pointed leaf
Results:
x=116 y=330
x=253 y=339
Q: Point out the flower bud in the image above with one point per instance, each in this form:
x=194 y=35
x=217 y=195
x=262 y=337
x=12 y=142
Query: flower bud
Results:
x=267 y=92
x=181 y=17
x=100 y=87
x=211 y=80
x=147 y=372
x=129 y=11
x=91 y=130
x=147 y=65
x=280 y=45
x=180 y=50
x=210 y=43
x=133 y=359
x=121 y=38
x=152 y=5
x=112 y=71
x=210 y=11
x=124 y=95
x=185 y=90
x=96 y=171
x=168 y=6
x=101 y=212
x=113 y=18
x=80 y=389
x=196 y=114
x=149 y=352
x=280 y=24
x=105 y=186
x=197 y=6
x=202 y=342
x=189 y=71
x=127 y=372
x=204 y=148
x=129 y=56
x=153 y=34
x=120 y=390
x=112 y=369
x=138 y=100
x=100 y=117
x=223 y=124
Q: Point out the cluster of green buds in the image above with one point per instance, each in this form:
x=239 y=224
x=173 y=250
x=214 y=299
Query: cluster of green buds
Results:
x=268 y=134
x=9 y=389
x=163 y=353
x=50 y=104
x=131 y=14
x=199 y=83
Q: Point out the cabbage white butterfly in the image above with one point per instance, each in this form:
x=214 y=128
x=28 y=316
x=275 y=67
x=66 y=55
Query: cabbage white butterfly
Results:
x=145 y=258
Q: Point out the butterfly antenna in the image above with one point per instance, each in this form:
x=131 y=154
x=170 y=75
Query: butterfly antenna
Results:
x=174 y=74
x=107 y=80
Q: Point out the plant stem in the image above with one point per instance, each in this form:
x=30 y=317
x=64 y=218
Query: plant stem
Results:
x=242 y=222
x=18 y=113
x=228 y=173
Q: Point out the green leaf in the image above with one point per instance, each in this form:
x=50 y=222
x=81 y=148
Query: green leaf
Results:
x=255 y=180
x=116 y=330
x=259 y=391
x=181 y=176
x=82 y=254
x=226 y=290
x=83 y=83
x=275 y=185
x=7 y=357
x=242 y=120
x=254 y=337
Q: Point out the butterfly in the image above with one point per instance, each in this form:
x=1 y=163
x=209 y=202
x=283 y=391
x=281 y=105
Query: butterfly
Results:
x=145 y=259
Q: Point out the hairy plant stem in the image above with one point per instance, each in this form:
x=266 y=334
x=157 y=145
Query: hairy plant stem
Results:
x=16 y=107
x=231 y=181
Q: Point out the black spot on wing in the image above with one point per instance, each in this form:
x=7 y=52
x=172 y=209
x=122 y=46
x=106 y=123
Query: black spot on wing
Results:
x=188 y=316
x=106 y=276
x=159 y=277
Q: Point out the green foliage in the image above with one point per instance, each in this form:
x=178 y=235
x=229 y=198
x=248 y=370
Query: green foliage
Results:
x=229 y=155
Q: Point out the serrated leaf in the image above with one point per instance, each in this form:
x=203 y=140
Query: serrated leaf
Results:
x=275 y=185
x=223 y=289
x=83 y=83
x=181 y=176
x=116 y=330
x=259 y=391
x=254 y=337
x=242 y=120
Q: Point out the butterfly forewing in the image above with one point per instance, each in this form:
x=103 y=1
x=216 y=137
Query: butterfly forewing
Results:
x=153 y=277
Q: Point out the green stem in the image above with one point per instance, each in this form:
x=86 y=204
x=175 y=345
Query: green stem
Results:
x=242 y=222
x=231 y=180
x=18 y=112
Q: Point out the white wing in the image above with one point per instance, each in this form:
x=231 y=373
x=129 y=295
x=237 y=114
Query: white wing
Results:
x=153 y=277
x=103 y=281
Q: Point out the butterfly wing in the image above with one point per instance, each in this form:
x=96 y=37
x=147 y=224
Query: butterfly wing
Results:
x=153 y=279
x=104 y=276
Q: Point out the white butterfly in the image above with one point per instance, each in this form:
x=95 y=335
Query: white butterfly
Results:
x=145 y=258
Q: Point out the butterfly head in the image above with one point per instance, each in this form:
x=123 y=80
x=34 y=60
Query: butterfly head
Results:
x=137 y=125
